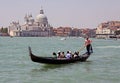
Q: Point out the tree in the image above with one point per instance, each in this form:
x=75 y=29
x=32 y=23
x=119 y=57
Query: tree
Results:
x=4 y=30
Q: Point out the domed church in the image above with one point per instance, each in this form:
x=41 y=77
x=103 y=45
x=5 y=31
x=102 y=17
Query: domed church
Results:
x=38 y=27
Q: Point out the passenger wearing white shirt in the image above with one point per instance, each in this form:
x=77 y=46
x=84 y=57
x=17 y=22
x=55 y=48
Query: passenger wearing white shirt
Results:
x=68 y=55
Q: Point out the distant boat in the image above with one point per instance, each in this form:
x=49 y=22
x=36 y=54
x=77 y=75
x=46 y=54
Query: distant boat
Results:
x=80 y=37
x=63 y=38
x=11 y=36
x=54 y=60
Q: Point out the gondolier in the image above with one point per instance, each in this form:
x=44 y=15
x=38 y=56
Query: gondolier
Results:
x=88 y=46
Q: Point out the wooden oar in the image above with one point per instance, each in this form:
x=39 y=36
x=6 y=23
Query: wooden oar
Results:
x=81 y=48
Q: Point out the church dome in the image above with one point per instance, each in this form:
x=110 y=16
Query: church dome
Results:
x=41 y=18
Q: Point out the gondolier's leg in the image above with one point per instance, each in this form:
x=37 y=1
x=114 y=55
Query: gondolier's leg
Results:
x=88 y=49
x=91 y=49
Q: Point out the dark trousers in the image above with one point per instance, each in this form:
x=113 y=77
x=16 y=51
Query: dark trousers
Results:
x=89 y=49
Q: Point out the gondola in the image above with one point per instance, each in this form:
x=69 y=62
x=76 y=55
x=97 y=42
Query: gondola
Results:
x=54 y=60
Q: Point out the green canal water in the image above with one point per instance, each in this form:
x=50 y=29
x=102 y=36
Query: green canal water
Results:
x=103 y=66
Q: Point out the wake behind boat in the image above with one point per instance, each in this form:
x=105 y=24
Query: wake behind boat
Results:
x=54 y=60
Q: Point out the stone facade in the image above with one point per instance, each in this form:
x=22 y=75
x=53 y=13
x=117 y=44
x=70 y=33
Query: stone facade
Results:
x=38 y=27
x=107 y=29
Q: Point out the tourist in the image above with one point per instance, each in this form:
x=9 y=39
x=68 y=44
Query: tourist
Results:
x=68 y=55
x=76 y=54
x=62 y=55
x=58 y=54
x=54 y=54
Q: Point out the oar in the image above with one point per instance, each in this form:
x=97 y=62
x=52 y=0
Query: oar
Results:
x=81 y=48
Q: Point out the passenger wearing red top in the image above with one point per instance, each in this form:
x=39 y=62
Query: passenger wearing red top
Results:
x=88 y=46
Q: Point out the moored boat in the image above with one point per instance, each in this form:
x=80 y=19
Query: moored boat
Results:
x=54 y=60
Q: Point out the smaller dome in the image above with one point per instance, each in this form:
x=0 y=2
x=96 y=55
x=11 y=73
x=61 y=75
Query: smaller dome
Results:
x=31 y=18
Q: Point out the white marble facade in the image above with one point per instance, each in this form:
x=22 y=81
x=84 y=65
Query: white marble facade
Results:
x=32 y=27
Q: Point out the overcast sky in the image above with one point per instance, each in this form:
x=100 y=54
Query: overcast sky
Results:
x=73 y=13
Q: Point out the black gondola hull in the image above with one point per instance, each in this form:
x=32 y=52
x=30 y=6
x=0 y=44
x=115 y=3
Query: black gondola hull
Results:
x=53 y=60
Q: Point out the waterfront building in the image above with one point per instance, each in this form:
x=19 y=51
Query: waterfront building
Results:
x=38 y=27
x=86 y=32
x=76 y=32
x=14 y=29
x=107 y=29
x=62 y=31
x=70 y=31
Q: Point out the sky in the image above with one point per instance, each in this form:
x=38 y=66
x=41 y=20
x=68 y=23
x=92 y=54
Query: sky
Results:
x=71 y=13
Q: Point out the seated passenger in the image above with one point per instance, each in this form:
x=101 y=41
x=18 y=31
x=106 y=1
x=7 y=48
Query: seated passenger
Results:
x=54 y=54
x=62 y=55
x=58 y=54
x=76 y=54
x=68 y=55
